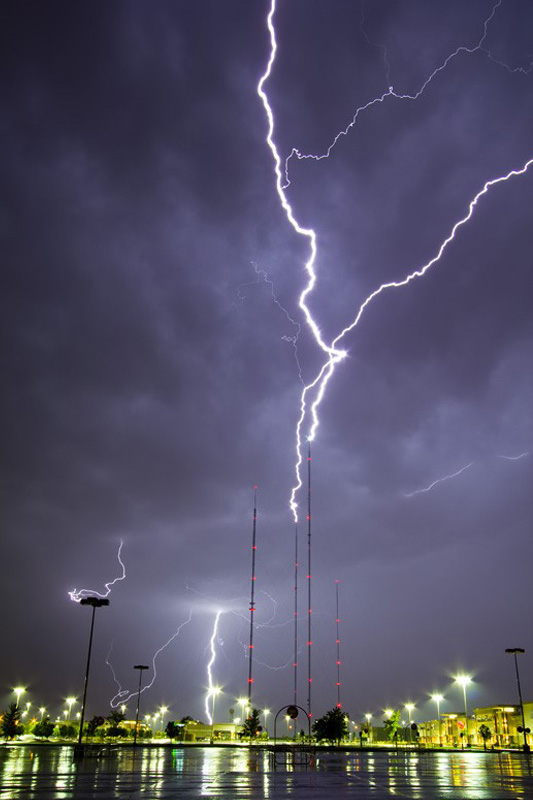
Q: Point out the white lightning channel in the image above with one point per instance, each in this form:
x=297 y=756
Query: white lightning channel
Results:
x=515 y=458
x=333 y=353
x=211 y=688
x=390 y=93
x=440 y=480
x=77 y=594
x=118 y=698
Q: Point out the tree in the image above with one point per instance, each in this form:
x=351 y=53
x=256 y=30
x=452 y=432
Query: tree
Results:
x=392 y=724
x=43 y=729
x=175 y=730
x=114 y=729
x=486 y=734
x=332 y=727
x=67 y=731
x=252 y=726
x=10 y=725
x=93 y=724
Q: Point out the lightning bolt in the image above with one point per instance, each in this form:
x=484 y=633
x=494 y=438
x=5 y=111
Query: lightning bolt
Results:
x=390 y=93
x=77 y=594
x=515 y=458
x=211 y=687
x=118 y=698
x=262 y=276
x=460 y=472
x=334 y=355
x=440 y=480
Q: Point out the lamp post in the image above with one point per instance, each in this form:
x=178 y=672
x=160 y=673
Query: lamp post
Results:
x=70 y=702
x=140 y=667
x=42 y=710
x=162 y=711
x=464 y=680
x=214 y=692
x=94 y=602
x=514 y=651
x=368 y=717
x=438 y=698
x=409 y=708
x=266 y=712
x=19 y=690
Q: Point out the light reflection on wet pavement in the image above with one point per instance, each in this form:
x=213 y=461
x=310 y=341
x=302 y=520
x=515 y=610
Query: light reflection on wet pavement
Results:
x=52 y=773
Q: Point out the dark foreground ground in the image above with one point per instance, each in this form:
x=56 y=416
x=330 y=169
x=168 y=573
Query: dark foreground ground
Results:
x=49 y=773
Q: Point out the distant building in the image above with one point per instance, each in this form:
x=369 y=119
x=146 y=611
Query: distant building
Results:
x=502 y=721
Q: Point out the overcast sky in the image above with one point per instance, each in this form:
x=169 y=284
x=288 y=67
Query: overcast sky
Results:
x=150 y=288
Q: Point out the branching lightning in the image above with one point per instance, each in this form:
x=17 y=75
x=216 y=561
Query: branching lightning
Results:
x=460 y=472
x=515 y=458
x=211 y=689
x=77 y=594
x=440 y=480
x=313 y=392
x=123 y=695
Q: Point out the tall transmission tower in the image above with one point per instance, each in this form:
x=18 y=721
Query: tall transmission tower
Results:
x=295 y=661
x=338 y=645
x=252 y=601
x=309 y=607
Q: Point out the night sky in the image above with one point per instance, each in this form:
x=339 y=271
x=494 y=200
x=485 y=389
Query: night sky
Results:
x=150 y=286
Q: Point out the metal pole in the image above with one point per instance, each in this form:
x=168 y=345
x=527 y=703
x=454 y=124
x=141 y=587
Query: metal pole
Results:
x=140 y=667
x=466 y=714
x=252 y=602
x=80 y=734
x=515 y=651
x=295 y=662
x=309 y=608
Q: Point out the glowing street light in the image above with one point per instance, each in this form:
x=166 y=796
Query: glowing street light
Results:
x=42 y=710
x=388 y=712
x=19 y=690
x=162 y=711
x=514 y=651
x=409 y=707
x=464 y=681
x=266 y=712
x=438 y=698
x=70 y=702
x=243 y=702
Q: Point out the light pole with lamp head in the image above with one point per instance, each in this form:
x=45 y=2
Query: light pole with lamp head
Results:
x=438 y=698
x=94 y=602
x=140 y=667
x=409 y=707
x=464 y=680
x=514 y=651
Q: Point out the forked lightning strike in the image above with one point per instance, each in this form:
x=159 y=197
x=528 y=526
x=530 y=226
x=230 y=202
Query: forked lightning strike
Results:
x=332 y=352
x=77 y=594
x=440 y=480
x=211 y=688
x=123 y=695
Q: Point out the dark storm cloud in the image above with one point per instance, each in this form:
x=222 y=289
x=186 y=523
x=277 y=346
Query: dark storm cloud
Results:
x=149 y=376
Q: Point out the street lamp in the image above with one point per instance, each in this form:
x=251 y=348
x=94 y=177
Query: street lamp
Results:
x=162 y=711
x=215 y=690
x=70 y=702
x=140 y=667
x=514 y=652
x=266 y=712
x=42 y=710
x=464 y=680
x=94 y=602
x=19 y=690
x=409 y=708
x=438 y=698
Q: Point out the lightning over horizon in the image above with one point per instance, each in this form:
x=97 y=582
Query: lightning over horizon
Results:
x=77 y=594
x=313 y=392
